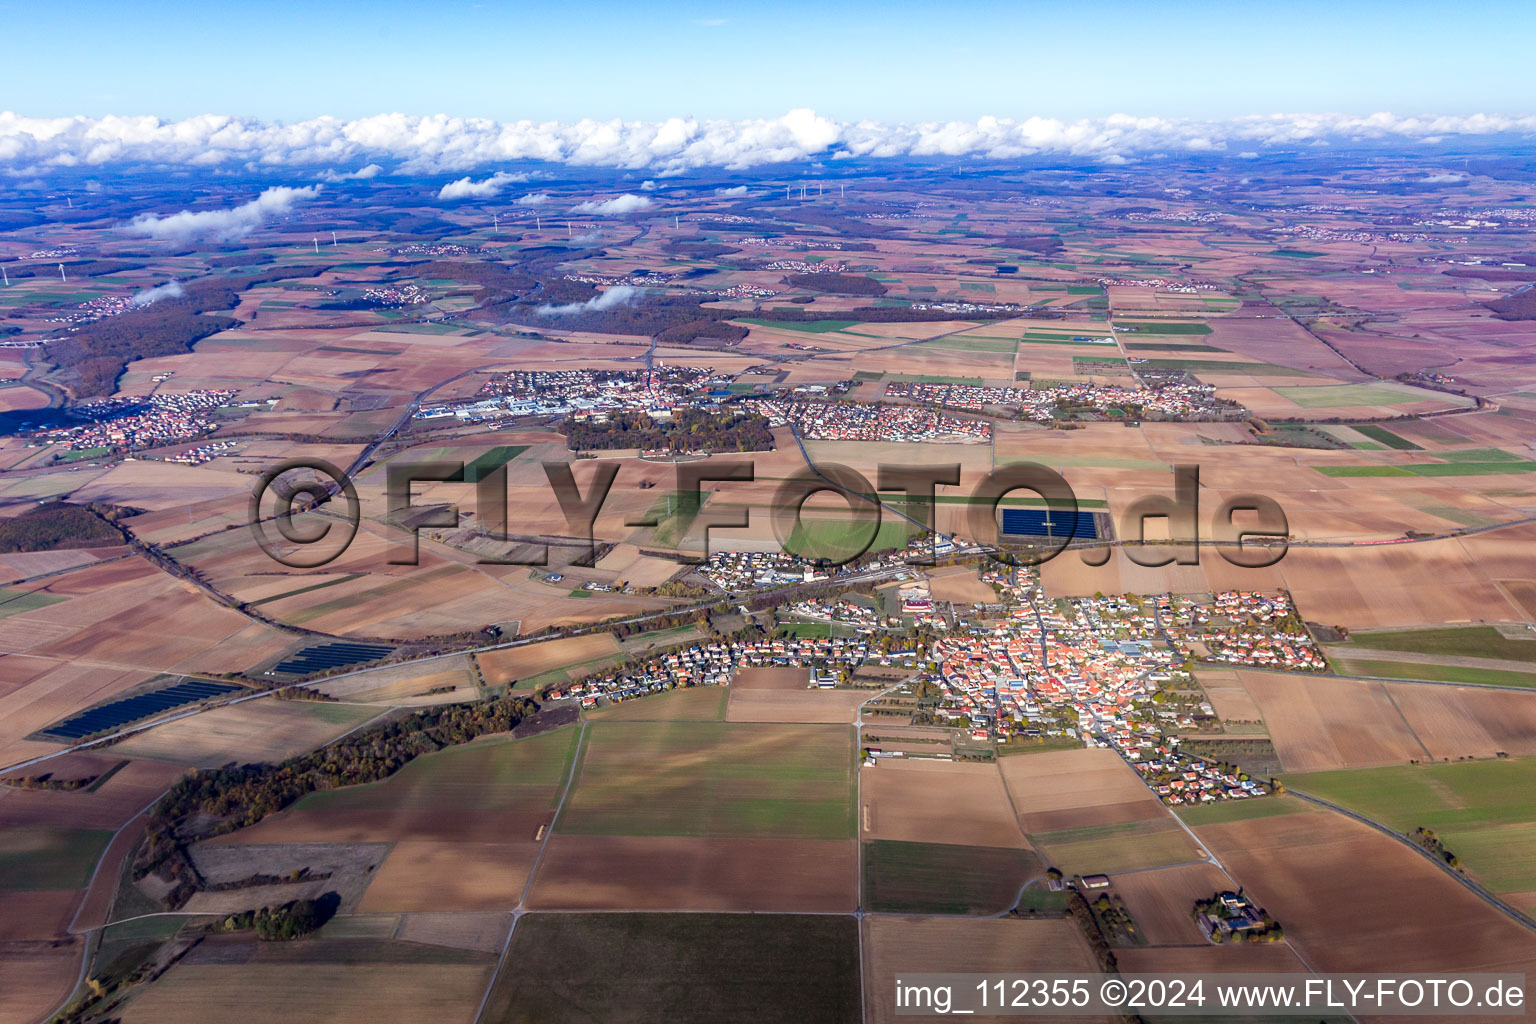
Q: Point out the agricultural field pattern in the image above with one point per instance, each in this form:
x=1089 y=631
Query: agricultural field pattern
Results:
x=557 y=597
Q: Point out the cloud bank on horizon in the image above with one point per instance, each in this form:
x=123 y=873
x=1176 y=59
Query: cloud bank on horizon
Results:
x=225 y=225
x=441 y=143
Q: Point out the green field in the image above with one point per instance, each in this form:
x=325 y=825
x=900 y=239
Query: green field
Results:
x=713 y=779
x=1164 y=327
x=50 y=858
x=1348 y=471
x=1115 y=848
x=83 y=454
x=1170 y=346
x=1296 y=254
x=1197 y=366
x=1440 y=796
x=1342 y=395
x=1471 y=468
x=808 y=326
x=1479 y=455
x=1484 y=811
x=482 y=776
x=679 y=968
x=420 y=328
x=931 y=379
x=689 y=704
x=14 y=601
x=1224 y=811
x=1460 y=641
x=973 y=343
x=806 y=630
x=841 y=539
x=1379 y=433
x=492 y=460
x=1502 y=856
x=1041 y=338
x=936 y=878
x=348 y=578
x=1437 y=673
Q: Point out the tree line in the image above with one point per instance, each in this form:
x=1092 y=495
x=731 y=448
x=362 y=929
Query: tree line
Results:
x=212 y=802
x=694 y=430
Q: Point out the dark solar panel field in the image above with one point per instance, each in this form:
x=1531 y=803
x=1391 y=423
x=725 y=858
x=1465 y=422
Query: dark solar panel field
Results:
x=131 y=709
x=323 y=657
x=1043 y=522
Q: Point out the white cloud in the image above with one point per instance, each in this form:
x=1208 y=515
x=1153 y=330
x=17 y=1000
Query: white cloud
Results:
x=734 y=190
x=619 y=295
x=169 y=290
x=1446 y=178
x=647 y=185
x=711 y=22
x=532 y=199
x=617 y=206
x=436 y=144
x=364 y=173
x=221 y=225
x=466 y=188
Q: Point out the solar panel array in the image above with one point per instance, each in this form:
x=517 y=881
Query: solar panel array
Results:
x=1044 y=522
x=324 y=657
x=131 y=709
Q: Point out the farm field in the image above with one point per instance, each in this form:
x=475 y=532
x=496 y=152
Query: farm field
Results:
x=947 y=944
x=1481 y=810
x=265 y=730
x=1318 y=722
x=937 y=802
x=1351 y=899
x=680 y=967
x=944 y=878
x=36 y=977
x=710 y=779
x=462 y=823
x=1333 y=312
x=581 y=872
x=1161 y=902
x=687 y=704
x=1133 y=846
x=1465 y=641
x=336 y=981
x=811 y=706
x=1070 y=789
x=1436 y=673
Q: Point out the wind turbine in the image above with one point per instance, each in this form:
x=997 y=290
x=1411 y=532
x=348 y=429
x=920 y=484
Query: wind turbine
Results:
x=538 y=224
x=61 y=273
x=333 y=239
x=6 y=276
x=495 y=222
x=677 y=222
x=568 y=230
x=316 y=240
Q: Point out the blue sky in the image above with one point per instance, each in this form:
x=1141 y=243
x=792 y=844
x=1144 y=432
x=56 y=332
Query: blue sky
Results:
x=849 y=60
